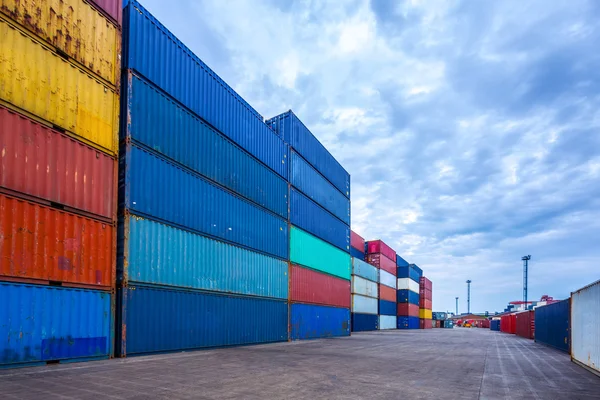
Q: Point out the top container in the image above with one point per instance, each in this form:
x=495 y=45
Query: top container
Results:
x=112 y=8
x=408 y=272
x=585 y=326
x=401 y=262
x=357 y=241
x=378 y=246
x=425 y=283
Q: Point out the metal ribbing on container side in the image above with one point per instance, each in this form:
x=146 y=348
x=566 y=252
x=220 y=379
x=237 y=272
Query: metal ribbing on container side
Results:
x=585 y=327
x=387 y=322
x=365 y=270
x=309 y=321
x=387 y=308
x=308 y=286
x=385 y=278
x=364 y=322
x=553 y=325
x=364 y=305
x=408 y=322
x=364 y=287
x=407 y=296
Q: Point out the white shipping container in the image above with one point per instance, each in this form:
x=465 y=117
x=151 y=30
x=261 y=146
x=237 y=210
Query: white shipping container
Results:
x=387 y=322
x=585 y=327
x=407 y=284
x=387 y=279
x=364 y=287
x=364 y=305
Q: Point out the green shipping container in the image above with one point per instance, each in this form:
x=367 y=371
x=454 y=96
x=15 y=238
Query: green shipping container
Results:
x=309 y=251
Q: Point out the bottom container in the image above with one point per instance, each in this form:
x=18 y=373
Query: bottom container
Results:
x=525 y=324
x=408 y=322
x=387 y=322
x=449 y=324
x=495 y=325
x=40 y=324
x=364 y=322
x=508 y=323
x=553 y=325
x=425 y=324
x=309 y=321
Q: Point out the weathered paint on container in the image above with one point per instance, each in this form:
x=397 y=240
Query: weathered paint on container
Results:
x=585 y=327
x=408 y=272
x=155 y=120
x=553 y=324
x=112 y=8
x=188 y=80
x=152 y=186
x=379 y=246
x=357 y=242
x=309 y=321
x=407 y=296
x=181 y=319
x=408 y=322
x=44 y=244
x=155 y=253
x=387 y=322
x=364 y=322
x=48 y=323
x=382 y=262
x=364 y=305
x=310 y=182
x=387 y=308
x=357 y=253
x=425 y=283
x=387 y=293
x=44 y=163
x=407 y=284
x=407 y=310
x=387 y=279
x=294 y=132
x=308 y=215
x=364 y=287
x=76 y=29
x=308 y=286
x=525 y=324
x=364 y=270
x=401 y=262
x=312 y=252
x=37 y=80
x=424 y=313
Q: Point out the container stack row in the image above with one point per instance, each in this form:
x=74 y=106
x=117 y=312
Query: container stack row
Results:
x=425 y=297
x=407 y=295
x=365 y=278
x=59 y=112
x=319 y=216
x=383 y=257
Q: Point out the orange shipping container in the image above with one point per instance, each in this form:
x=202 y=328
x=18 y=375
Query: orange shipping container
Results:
x=387 y=293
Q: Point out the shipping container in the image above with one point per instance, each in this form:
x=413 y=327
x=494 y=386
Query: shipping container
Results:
x=152 y=186
x=449 y=324
x=495 y=325
x=364 y=305
x=508 y=324
x=188 y=80
x=289 y=127
x=387 y=279
x=407 y=296
x=387 y=308
x=364 y=270
x=44 y=163
x=155 y=253
x=310 y=251
x=408 y=322
x=158 y=122
x=425 y=303
x=387 y=293
x=426 y=284
x=425 y=324
x=424 y=313
x=364 y=287
x=408 y=272
x=416 y=268
x=378 y=246
x=425 y=294
x=181 y=319
x=382 y=262
x=364 y=322
x=45 y=245
x=111 y=8
x=387 y=322
x=357 y=253
x=309 y=321
x=401 y=262
x=524 y=324
x=357 y=242
x=308 y=286
x=308 y=215
x=553 y=323
x=585 y=327
x=407 y=310
x=74 y=28
x=439 y=315
x=36 y=80
x=407 y=284
x=47 y=324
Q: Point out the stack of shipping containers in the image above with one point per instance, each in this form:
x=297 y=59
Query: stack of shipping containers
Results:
x=407 y=295
x=59 y=74
x=364 y=288
x=319 y=231
x=383 y=257
x=203 y=204
x=425 y=296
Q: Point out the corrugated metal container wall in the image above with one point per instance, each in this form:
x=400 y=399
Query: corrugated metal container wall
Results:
x=387 y=293
x=157 y=188
x=308 y=215
x=382 y=262
x=387 y=308
x=184 y=319
x=364 y=305
x=378 y=246
x=364 y=287
x=35 y=79
x=424 y=313
x=308 y=286
x=309 y=251
x=310 y=321
x=152 y=252
x=310 y=182
x=294 y=132
x=425 y=324
x=495 y=325
x=75 y=28
x=407 y=284
x=44 y=244
x=401 y=262
x=364 y=322
x=553 y=325
x=407 y=296
x=113 y=8
x=425 y=284
x=425 y=303
x=44 y=163
x=387 y=279
x=407 y=310
x=193 y=143
x=408 y=322
x=362 y=269
x=407 y=272
x=357 y=253
x=357 y=242
x=524 y=326
x=47 y=323
x=585 y=327
x=187 y=79
x=387 y=322
x=416 y=268
x=425 y=294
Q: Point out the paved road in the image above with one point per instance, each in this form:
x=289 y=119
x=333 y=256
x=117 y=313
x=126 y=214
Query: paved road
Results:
x=434 y=364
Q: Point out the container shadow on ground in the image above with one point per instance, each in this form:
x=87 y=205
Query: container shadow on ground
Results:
x=432 y=364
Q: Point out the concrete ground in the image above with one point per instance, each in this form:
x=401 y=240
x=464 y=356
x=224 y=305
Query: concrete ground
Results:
x=434 y=364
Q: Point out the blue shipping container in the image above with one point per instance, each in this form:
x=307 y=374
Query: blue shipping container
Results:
x=552 y=325
x=158 y=122
x=48 y=323
x=306 y=179
x=495 y=325
x=401 y=262
x=294 y=132
x=150 y=49
x=365 y=270
x=313 y=322
x=407 y=296
x=416 y=268
x=364 y=322
x=151 y=186
x=387 y=307
x=357 y=253
x=408 y=322
x=308 y=215
x=408 y=272
x=155 y=319
x=155 y=253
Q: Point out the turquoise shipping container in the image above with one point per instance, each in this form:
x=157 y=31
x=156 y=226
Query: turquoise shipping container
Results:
x=309 y=251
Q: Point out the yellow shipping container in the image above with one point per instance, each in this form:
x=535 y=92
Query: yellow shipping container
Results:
x=75 y=28
x=424 y=314
x=40 y=82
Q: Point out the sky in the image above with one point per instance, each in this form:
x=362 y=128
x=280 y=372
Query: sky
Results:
x=470 y=128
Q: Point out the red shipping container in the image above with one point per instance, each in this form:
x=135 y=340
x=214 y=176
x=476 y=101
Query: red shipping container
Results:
x=525 y=324
x=381 y=261
x=357 y=241
x=40 y=162
x=387 y=293
x=508 y=324
x=425 y=283
x=378 y=246
x=43 y=245
x=425 y=294
x=426 y=324
x=407 y=310
x=111 y=8
x=425 y=304
x=308 y=286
